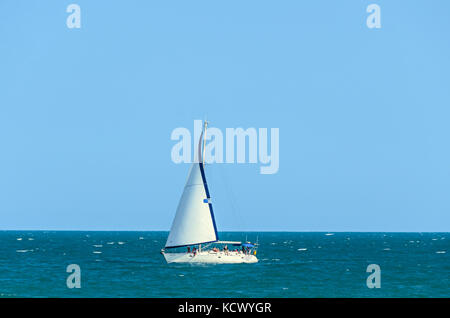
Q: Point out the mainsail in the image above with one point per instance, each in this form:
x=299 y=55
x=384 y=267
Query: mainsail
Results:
x=194 y=220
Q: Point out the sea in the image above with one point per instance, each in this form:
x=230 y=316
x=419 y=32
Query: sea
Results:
x=300 y=264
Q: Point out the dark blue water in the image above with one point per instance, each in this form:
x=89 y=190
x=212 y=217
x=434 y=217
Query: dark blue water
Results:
x=128 y=264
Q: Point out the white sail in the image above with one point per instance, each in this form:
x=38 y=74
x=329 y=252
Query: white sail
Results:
x=194 y=221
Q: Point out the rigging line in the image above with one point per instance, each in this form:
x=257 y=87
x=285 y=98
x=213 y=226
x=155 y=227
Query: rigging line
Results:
x=232 y=200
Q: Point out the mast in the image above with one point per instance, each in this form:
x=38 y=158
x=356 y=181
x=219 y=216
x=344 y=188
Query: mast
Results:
x=202 y=169
x=204 y=142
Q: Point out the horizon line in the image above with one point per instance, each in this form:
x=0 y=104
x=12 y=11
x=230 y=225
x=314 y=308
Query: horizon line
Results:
x=234 y=231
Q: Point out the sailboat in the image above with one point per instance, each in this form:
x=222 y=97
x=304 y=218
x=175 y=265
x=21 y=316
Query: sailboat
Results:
x=194 y=227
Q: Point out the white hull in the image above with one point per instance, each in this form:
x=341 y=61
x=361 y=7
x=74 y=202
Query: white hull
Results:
x=210 y=257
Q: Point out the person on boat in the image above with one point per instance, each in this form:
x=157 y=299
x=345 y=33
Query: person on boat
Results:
x=194 y=250
x=188 y=249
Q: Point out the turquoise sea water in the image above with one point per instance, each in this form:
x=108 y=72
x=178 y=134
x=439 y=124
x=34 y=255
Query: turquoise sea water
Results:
x=128 y=264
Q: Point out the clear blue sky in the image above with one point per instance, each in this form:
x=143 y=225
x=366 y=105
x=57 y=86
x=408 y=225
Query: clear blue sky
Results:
x=86 y=115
